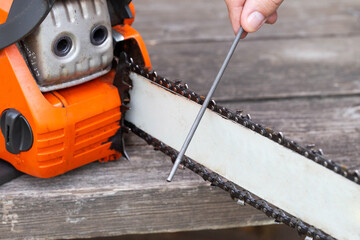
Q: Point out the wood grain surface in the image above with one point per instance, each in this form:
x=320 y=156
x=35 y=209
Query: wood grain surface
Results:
x=300 y=76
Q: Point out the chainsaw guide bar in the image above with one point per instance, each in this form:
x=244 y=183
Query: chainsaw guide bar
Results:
x=297 y=180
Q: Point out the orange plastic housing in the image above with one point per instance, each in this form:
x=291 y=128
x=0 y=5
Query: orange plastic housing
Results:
x=71 y=127
x=4 y=9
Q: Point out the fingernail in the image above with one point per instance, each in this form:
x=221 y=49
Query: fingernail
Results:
x=255 y=21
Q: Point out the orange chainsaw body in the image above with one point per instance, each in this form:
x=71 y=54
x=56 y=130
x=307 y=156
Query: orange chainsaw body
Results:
x=71 y=127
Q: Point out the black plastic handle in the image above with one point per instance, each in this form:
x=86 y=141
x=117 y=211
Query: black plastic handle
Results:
x=16 y=131
x=23 y=18
x=119 y=10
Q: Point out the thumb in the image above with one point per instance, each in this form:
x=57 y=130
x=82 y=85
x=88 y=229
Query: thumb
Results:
x=256 y=13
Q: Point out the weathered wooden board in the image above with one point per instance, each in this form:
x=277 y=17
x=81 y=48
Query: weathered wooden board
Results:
x=122 y=197
x=267 y=65
x=188 y=20
x=117 y=198
x=265 y=69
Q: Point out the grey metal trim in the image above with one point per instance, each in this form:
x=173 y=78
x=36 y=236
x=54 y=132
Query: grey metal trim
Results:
x=74 y=82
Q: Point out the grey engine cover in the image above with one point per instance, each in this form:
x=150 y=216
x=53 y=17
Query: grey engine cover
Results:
x=72 y=45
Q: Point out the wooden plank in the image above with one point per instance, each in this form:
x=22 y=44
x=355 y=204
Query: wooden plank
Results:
x=117 y=198
x=121 y=197
x=324 y=62
x=291 y=68
x=187 y=20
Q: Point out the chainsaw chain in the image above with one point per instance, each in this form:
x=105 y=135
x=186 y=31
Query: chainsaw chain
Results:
x=245 y=120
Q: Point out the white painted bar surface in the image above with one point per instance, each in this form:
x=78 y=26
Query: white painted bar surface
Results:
x=284 y=178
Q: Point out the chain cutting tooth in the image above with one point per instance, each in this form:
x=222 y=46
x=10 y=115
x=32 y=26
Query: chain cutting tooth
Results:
x=154 y=76
x=293 y=222
x=239 y=112
x=240 y=202
x=222 y=111
x=246 y=123
x=310 y=146
x=356 y=176
x=275 y=214
x=212 y=104
x=311 y=232
x=280 y=137
x=198 y=100
x=320 y=152
x=181 y=166
x=162 y=80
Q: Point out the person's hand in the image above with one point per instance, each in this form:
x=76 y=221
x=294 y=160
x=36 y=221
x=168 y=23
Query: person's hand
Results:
x=252 y=14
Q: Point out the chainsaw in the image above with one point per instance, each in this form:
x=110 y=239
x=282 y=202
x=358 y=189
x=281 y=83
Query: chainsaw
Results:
x=75 y=76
